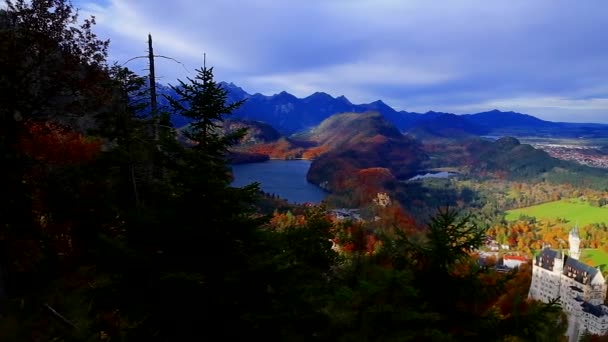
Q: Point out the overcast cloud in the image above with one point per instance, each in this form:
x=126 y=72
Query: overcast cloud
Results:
x=548 y=58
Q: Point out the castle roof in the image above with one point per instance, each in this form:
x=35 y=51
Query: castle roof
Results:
x=573 y=268
x=579 y=271
x=546 y=258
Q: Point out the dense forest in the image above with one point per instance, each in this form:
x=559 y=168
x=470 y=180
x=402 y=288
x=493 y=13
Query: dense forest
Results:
x=113 y=229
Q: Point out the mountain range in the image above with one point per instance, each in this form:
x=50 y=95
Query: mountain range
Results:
x=289 y=115
x=356 y=155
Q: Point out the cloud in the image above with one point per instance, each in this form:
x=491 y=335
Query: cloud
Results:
x=413 y=54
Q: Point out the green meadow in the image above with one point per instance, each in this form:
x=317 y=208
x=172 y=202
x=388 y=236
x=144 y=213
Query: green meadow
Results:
x=596 y=257
x=572 y=210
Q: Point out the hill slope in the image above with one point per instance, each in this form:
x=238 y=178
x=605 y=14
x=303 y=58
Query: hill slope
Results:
x=361 y=141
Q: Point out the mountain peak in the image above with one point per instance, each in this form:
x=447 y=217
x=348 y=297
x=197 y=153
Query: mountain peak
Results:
x=284 y=95
x=342 y=98
x=291 y=114
x=319 y=95
x=235 y=93
x=379 y=105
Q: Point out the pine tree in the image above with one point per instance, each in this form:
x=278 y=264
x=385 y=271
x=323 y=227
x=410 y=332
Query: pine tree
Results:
x=204 y=101
x=202 y=234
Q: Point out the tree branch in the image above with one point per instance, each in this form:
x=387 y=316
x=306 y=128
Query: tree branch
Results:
x=58 y=315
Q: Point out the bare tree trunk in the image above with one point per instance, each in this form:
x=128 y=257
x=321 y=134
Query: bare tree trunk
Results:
x=134 y=183
x=152 y=80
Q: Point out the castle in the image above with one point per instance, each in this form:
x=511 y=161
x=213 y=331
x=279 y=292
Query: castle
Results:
x=580 y=288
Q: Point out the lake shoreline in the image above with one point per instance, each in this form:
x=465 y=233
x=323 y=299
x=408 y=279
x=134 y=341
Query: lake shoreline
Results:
x=284 y=178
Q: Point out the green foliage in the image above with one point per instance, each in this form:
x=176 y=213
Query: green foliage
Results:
x=49 y=65
x=204 y=101
x=450 y=239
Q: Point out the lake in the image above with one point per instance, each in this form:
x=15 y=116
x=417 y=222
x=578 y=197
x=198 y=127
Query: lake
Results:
x=441 y=174
x=285 y=178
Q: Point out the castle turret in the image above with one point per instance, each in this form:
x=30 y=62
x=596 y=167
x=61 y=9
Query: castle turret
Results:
x=558 y=262
x=575 y=241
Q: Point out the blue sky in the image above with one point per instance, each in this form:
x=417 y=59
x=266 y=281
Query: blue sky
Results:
x=548 y=58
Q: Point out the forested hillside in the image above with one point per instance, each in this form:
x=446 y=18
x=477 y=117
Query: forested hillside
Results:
x=113 y=229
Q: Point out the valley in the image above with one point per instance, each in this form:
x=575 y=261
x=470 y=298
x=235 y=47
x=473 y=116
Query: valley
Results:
x=444 y=200
x=551 y=181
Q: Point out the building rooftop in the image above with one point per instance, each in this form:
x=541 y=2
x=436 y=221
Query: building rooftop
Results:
x=515 y=257
x=579 y=271
x=573 y=268
x=546 y=258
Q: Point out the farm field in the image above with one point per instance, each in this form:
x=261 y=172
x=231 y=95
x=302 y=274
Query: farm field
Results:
x=573 y=210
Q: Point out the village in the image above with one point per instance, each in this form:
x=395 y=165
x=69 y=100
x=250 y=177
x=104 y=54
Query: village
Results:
x=585 y=155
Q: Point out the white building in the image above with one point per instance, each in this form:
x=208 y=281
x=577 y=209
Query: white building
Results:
x=580 y=287
x=346 y=214
x=513 y=261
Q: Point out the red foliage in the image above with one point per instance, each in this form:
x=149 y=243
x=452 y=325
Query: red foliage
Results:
x=54 y=144
x=516 y=292
x=356 y=239
x=362 y=184
x=280 y=149
x=395 y=217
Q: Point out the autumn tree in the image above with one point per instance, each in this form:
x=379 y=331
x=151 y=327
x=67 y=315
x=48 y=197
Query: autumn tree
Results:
x=51 y=67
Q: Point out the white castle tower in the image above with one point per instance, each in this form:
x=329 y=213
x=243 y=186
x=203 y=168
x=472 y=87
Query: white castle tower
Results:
x=575 y=242
x=581 y=288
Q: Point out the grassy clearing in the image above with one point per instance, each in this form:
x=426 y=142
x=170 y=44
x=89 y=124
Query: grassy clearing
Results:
x=572 y=210
x=595 y=257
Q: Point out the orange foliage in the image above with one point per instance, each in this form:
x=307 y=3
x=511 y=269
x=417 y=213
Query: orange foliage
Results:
x=366 y=183
x=356 y=239
x=51 y=143
x=516 y=291
x=395 y=217
x=280 y=221
x=314 y=152
x=280 y=149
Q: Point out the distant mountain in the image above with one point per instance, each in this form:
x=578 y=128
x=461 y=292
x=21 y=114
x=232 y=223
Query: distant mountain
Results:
x=349 y=128
x=361 y=141
x=257 y=132
x=497 y=119
x=289 y=114
x=443 y=125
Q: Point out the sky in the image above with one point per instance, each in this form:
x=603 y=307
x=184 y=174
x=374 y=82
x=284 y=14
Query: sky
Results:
x=547 y=58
